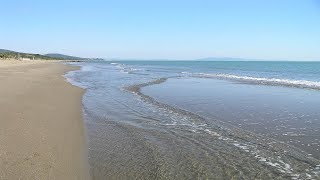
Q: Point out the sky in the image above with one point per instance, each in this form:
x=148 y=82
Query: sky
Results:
x=163 y=29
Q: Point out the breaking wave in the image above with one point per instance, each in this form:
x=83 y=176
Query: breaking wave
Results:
x=261 y=80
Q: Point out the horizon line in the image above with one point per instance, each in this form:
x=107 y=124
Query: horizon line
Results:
x=209 y=58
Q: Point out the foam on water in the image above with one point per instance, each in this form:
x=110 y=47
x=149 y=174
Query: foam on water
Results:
x=261 y=80
x=70 y=78
x=269 y=156
x=71 y=75
x=274 y=162
x=125 y=68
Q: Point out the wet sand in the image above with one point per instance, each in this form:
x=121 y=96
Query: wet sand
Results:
x=41 y=128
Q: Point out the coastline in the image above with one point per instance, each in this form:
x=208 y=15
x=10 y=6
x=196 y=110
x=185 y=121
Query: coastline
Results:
x=42 y=133
x=140 y=131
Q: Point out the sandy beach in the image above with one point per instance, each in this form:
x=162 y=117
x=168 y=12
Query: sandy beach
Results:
x=41 y=128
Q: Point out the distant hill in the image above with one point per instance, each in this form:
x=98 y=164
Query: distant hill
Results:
x=67 y=57
x=4 y=51
x=7 y=54
x=222 y=59
x=62 y=56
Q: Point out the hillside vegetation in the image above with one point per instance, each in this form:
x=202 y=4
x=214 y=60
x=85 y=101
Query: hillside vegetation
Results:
x=7 y=54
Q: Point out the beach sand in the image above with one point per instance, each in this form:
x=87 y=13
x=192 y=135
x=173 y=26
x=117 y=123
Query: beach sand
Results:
x=42 y=134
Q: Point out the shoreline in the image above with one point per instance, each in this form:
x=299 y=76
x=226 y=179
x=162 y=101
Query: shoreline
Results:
x=42 y=133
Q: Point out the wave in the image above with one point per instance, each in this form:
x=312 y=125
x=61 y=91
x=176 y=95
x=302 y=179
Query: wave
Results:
x=71 y=78
x=126 y=69
x=284 y=159
x=261 y=80
x=294 y=164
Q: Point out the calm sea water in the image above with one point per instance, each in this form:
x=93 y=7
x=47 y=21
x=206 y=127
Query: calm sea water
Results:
x=187 y=120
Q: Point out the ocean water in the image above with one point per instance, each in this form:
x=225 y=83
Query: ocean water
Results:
x=201 y=120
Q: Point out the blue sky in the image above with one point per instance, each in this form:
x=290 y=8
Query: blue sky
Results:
x=173 y=29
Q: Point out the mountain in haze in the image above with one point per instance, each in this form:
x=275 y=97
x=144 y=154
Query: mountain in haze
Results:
x=62 y=56
x=223 y=59
x=200 y=59
x=67 y=57
x=5 y=51
x=7 y=54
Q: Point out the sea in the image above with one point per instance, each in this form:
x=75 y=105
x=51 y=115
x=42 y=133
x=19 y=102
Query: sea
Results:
x=201 y=119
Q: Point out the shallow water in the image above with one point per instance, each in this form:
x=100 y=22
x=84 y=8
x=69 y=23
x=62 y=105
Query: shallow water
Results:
x=169 y=120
